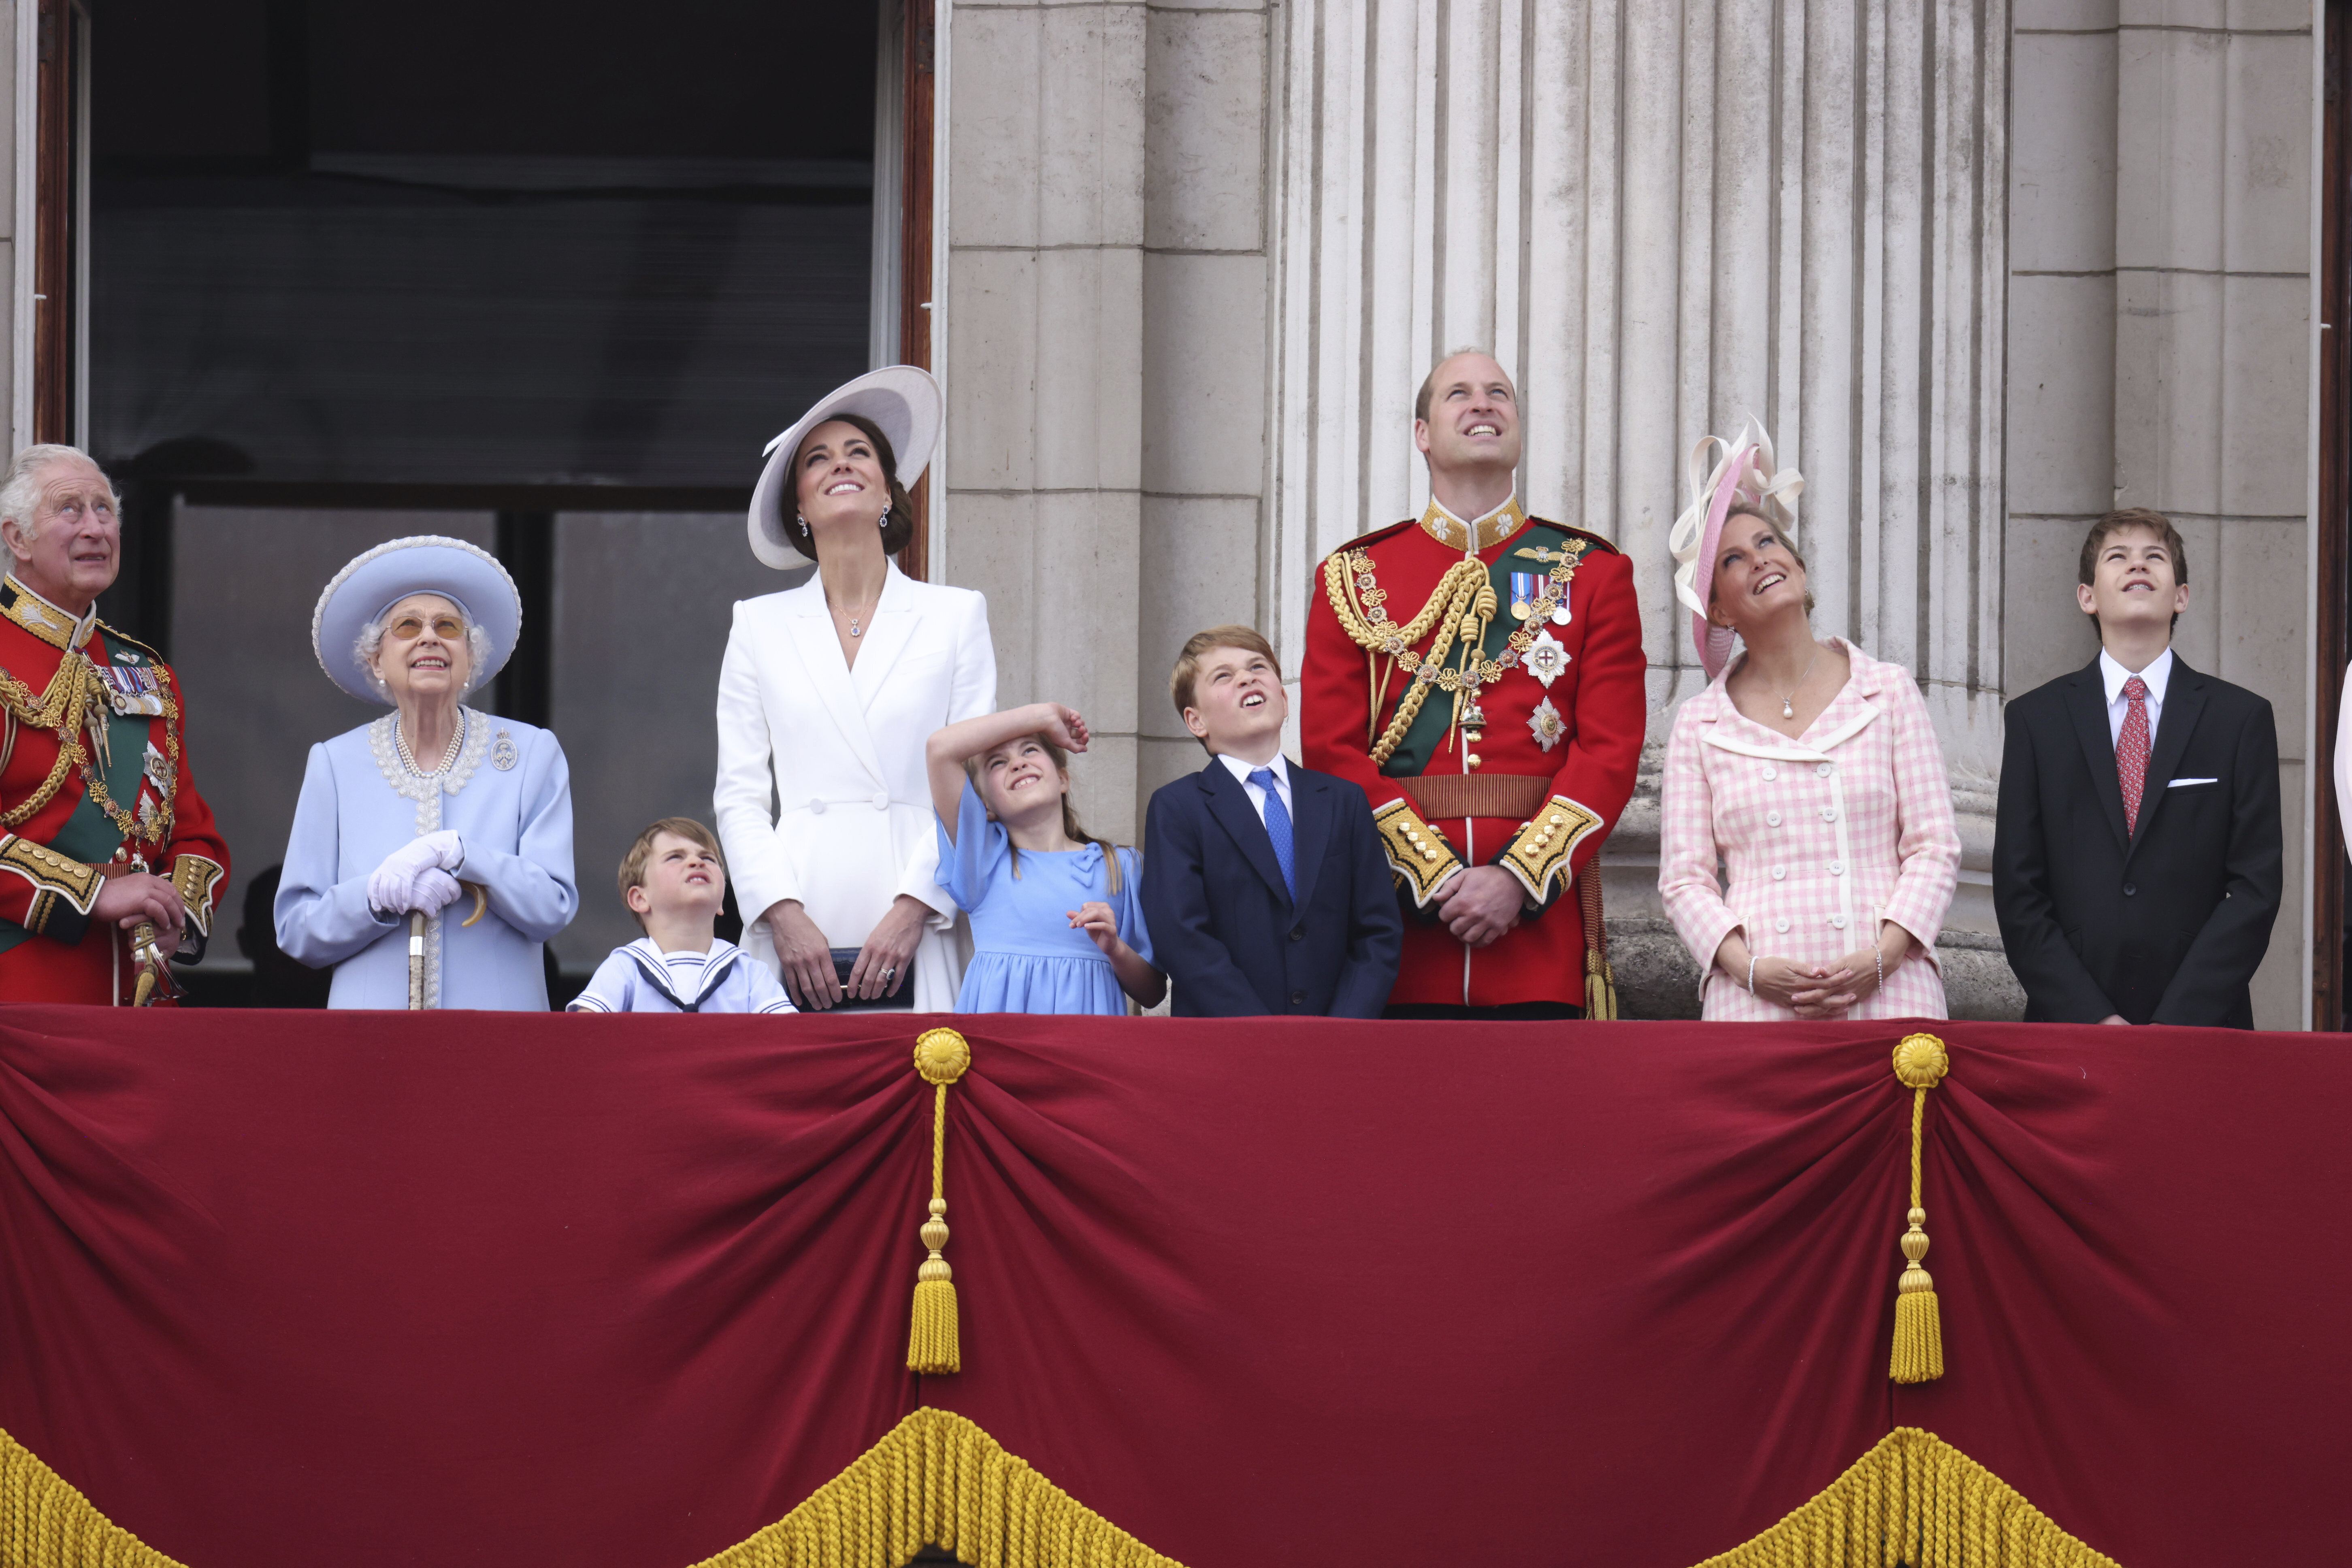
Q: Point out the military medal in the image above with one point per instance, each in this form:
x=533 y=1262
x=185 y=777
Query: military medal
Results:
x=1523 y=594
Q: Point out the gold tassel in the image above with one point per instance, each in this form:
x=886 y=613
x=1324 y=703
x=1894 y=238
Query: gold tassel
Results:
x=1600 y=988
x=1920 y=1064
x=1599 y=978
x=941 y=1057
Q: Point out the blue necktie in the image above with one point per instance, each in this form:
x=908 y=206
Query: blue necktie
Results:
x=1277 y=827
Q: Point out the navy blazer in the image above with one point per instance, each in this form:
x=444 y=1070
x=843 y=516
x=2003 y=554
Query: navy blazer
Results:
x=1223 y=926
x=2166 y=925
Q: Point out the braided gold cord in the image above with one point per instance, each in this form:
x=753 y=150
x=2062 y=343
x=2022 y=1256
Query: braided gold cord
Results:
x=1465 y=595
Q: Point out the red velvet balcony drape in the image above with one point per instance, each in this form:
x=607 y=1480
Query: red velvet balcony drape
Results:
x=283 y=1288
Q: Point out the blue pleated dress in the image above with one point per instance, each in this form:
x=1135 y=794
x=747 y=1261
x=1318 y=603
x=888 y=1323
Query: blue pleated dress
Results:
x=1026 y=956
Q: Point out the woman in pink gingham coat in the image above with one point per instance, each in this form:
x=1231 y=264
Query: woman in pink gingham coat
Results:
x=1809 y=769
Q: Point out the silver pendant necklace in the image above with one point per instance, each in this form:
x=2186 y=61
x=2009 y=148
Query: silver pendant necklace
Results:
x=1788 y=706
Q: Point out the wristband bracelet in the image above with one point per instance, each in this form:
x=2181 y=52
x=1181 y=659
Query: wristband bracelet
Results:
x=1878 y=956
x=1751 y=974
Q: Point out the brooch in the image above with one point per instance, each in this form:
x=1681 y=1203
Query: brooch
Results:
x=503 y=755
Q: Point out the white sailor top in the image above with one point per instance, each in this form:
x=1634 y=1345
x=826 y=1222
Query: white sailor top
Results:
x=641 y=978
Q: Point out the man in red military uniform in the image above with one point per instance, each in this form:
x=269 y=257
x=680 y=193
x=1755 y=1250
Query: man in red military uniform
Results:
x=1479 y=673
x=108 y=858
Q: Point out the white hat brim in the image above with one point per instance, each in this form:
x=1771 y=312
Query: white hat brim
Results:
x=465 y=574
x=905 y=402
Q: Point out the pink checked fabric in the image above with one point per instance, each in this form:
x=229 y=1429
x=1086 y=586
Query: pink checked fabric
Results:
x=2131 y=750
x=1822 y=838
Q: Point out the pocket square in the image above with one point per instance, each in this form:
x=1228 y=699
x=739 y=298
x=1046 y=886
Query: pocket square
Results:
x=2179 y=783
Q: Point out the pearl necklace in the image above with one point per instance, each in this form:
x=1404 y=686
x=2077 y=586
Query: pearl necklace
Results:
x=448 y=757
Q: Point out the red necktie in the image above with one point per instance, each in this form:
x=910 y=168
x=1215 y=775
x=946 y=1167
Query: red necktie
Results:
x=2131 y=750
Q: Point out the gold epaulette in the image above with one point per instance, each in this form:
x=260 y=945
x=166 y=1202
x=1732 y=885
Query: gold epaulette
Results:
x=196 y=880
x=60 y=876
x=1541 y=851
x=1417 y=853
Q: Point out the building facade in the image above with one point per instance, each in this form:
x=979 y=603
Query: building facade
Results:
x=1984 y=270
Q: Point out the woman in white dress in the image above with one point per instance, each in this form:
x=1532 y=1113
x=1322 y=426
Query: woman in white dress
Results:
x=830 y=690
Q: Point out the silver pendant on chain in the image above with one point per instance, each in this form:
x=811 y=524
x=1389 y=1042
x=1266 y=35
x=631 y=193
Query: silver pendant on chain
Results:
x=1788 y=710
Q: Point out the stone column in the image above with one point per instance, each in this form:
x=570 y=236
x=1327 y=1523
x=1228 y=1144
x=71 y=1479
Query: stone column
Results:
x=19 y=42
x=2163 y=201
x=1045 y=230
x=1106 y=289
x=1660 y=216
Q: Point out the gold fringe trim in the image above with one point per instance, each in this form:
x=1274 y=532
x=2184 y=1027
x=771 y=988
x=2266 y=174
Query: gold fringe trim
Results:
x=46 y=1523
x=1914 y=1500
x=937 y=1479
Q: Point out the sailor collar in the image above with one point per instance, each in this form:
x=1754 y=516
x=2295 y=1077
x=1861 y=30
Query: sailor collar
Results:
x=45 y=620
x=1479 y=534
x=653 y=965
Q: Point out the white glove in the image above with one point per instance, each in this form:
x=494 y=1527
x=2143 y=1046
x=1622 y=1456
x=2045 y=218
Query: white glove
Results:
x=436 y=890
x=392 y=886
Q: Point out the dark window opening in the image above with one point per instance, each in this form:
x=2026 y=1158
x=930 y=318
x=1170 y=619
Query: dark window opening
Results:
x=545 y=277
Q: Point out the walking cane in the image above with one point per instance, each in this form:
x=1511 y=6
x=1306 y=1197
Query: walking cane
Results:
x=416 y=942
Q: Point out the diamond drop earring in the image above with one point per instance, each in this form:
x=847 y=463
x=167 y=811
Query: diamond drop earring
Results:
x=884 y=521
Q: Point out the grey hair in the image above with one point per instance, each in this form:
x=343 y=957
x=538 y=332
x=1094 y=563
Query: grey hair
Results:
x=371 y=643
x=20 y=492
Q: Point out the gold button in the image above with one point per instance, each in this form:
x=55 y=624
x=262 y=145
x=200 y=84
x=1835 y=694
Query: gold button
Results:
x=1556 y=818
x=1473 y=761
x=1429 y=853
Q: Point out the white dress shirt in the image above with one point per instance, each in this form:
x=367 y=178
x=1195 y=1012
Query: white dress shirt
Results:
x=1256 y=793
x=2158 y=671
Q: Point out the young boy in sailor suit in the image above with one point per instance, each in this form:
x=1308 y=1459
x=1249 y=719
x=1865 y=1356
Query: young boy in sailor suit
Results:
x=674 y=881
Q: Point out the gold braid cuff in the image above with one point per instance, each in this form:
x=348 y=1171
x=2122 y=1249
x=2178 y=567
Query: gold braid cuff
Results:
x=1541 y=851
x=50 y=872
x=197 y=881
x=1417 y=853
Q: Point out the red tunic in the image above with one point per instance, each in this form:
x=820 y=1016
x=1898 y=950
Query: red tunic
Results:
x=1569 y=744
x=93 y=771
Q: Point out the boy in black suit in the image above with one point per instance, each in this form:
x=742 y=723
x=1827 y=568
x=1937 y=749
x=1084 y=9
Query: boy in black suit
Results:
x=2137 y=861
x=1263 y=884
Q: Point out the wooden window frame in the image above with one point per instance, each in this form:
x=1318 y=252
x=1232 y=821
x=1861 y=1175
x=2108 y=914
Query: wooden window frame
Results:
x=2333 y=641
x=918 y=54
x=60 y=208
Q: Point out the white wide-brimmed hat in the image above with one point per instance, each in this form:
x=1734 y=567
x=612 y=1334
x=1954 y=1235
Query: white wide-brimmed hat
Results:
x=905 y=403
x=1745 y=472
x=466 y=574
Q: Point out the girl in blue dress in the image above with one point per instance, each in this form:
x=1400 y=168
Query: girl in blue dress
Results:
x=1057 y=922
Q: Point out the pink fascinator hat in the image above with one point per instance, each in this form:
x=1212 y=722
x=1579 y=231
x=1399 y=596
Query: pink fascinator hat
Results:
x=1743 y=478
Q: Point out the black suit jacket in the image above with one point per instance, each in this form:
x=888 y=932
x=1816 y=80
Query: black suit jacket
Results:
x=1222 y=924
x=2165 y=925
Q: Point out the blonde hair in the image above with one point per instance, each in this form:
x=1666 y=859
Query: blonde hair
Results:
x=1070 y=828
x=633 y=864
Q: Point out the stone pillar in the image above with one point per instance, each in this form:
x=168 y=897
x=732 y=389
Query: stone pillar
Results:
x=2162 y=203
x=1660 y=216
x=19 y=37
x=1042 y=503
x=1106 y=288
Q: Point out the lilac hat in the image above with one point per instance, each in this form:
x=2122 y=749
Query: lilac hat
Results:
x=1744 y=476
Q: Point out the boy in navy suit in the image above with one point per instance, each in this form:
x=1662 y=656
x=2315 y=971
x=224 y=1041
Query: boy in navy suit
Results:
x=2136 y=859
x=1268 y=879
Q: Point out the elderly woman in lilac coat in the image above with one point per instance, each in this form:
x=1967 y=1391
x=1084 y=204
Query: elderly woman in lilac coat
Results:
x=436 y=808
